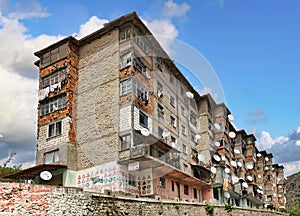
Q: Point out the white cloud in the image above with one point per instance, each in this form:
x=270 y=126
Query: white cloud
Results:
x=172 y=9
x=297 y=143
x=256 y=116
x=291 y=168
x=93 y=24
x=265 y=141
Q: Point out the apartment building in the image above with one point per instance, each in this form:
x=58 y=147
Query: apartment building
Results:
x=115 y=113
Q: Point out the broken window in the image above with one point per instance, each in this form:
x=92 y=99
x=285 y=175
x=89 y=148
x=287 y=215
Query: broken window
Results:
x=173 y=121
x=51 y=157
x=54 y=129
x=53 y=104
x=139 y=65
x=54 y=55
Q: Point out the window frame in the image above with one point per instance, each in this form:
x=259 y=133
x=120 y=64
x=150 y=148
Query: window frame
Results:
x=125 y=87
x=162 y=182
x=53 y=104
x=186 y=189
x=55 y=129
x=145 y=119
x=52 y=154
x=125 y=144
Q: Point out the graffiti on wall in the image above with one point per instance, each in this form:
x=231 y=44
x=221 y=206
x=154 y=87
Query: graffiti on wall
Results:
x=114 y=177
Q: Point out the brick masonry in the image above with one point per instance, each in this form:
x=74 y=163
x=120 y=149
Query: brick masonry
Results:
x=27 y=199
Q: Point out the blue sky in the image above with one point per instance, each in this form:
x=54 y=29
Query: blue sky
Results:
x=253 y=46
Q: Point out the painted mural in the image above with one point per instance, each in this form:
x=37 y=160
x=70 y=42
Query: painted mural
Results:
x=114 y=177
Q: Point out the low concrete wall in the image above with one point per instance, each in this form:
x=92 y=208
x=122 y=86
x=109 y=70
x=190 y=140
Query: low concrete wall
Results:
x=26 y=199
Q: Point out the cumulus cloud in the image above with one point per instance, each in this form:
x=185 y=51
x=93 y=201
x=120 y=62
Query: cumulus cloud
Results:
x=256 y=116
x=285 y=149
x=93 y=24
x=172 y=9
x=28 y=10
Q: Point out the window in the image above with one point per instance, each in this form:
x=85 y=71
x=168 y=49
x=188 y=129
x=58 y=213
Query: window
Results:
x=183 y=130
x=54 y=55
x=160 y=132
x=51 y=157
x=195 y=193
x=171 y=79
x=162 y=182
x=173 y=185
x=216 y=193
x=225 y=144
x=172 y=101
x=54 y=78
x=54 y=129
x=126 y=60
x=139 y=65
x=53 y=104
x=193 y=119
x=183 y=111
x=173 y=121
x=138 y=40
x=125 y=34
x=269 y=198
x=193 y=136
x=139 y=90
x=158 y=63
x=125 y=141
x=143 y=119
x=193 y=103
x=131 y=180
x=159 y=86
x=184 y=149
x=185 y=168
x=186 y=189
x=160 y=110
x=125 y=87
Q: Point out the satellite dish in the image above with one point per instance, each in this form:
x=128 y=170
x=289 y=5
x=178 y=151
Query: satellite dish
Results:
x=213 y=170
x=227 y=195
x=245 y=185
x=189 y=94
x=274 y=194
x=46 y=175
x=279 y=195
x=217 y=158
x=232 y=134
x=235 y=179
x=201 y=157
x=250 y=178
x=217 y=143
x=280 y=186
x=239 y=164
x=166 y=134
x=266 y=159
x=237 y=151
x=231 y=117
x=233 y=163
x=258 y=176
x=227 y=170
x=267 y=168
x=249 y=166
x=217 y=126
x=258 y=155
x=145 y=132
x=197 y=136
x=260 y=187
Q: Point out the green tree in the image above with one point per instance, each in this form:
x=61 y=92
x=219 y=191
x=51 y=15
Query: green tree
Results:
x=295 y=211
x=6 y=170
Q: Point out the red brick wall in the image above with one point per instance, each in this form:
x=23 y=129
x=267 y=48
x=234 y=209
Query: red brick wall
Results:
x=20 y=198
